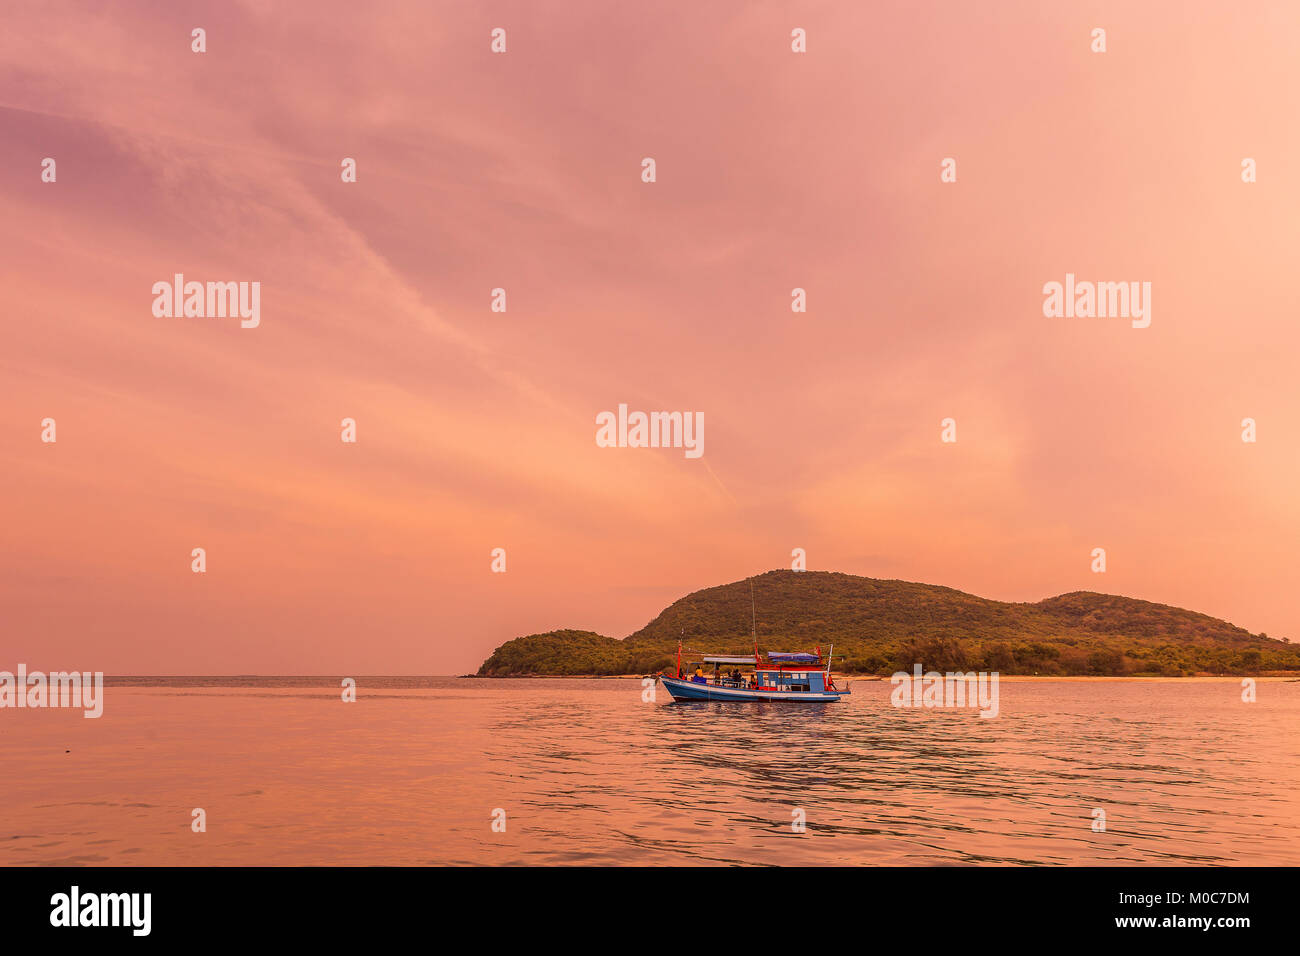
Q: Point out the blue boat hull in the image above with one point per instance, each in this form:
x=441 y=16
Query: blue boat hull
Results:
x=689 y=690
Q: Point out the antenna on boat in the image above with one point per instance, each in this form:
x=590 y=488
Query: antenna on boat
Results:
x=753 y=610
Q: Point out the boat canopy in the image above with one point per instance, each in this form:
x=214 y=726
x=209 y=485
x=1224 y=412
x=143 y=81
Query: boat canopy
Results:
x=730 y=660
x=801 y=657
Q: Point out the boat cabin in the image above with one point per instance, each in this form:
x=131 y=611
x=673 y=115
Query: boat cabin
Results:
x=726 y=671
x=786 y=672
x=793 y=672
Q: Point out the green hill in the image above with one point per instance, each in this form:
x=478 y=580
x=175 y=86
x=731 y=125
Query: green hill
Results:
x=882 y=626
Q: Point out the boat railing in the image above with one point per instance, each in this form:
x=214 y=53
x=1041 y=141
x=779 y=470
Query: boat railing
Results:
x=719 y=682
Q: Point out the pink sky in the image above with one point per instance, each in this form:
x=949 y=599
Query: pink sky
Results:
x=476 y=429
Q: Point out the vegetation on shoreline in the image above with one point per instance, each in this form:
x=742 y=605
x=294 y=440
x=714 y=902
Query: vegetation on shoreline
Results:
x=879 y=627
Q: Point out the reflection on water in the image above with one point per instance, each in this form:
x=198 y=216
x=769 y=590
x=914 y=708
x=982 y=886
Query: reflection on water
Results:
x=586 y=773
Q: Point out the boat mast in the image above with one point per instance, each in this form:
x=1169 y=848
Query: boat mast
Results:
x=753 y=610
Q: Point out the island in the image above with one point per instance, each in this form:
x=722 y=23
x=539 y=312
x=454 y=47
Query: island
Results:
x=882 y=626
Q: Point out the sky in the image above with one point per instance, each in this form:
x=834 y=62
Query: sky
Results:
x=522 y=170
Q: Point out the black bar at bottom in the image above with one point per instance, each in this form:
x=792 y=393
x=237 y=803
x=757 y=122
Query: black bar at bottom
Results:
x=798 y=906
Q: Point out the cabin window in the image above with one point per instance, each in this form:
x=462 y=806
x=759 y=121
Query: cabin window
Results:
x=802 y=687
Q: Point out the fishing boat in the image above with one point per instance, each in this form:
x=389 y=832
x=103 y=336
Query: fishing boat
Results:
x=794 y=676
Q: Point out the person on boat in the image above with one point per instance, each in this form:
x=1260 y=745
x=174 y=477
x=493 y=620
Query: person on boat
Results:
x=699 y=677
